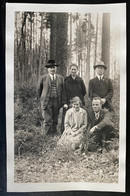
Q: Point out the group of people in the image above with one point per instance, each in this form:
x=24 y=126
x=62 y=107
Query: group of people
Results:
x=55 y=92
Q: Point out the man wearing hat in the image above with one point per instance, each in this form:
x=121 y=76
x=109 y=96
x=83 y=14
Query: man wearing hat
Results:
x=50 y=89
x=101 y=86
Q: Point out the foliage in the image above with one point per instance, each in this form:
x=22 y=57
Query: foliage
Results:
x=39 y=159
x=27 y=113
x=62 y=165
x=28 y=141
x=116 y=100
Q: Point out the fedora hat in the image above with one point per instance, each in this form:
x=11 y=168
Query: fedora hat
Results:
x=51 y=63
x=100 y=63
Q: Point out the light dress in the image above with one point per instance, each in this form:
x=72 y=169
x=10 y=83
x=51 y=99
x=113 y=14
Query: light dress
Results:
x=75 y=126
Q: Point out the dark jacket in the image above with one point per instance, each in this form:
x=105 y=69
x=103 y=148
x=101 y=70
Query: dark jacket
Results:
x=74 y=87
x=105 y=119
x=44 y=89
x=102 y=89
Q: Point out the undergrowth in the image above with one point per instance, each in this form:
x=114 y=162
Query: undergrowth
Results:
x=27 y=119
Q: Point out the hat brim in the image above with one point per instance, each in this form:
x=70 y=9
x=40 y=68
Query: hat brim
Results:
x=100 y=66
x=51 y=65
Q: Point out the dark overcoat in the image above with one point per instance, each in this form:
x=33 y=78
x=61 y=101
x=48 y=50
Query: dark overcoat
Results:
x=102 y=89
x=74 y=88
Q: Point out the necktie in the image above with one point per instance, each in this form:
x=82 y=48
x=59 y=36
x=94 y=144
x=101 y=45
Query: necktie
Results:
x=52 y=77
x=96 y=116
x=100 y=78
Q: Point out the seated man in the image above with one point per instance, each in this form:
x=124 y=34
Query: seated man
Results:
x=100 y=123
x=75 y=125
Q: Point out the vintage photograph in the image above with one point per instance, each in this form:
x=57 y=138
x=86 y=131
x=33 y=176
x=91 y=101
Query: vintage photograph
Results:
x=66 y=68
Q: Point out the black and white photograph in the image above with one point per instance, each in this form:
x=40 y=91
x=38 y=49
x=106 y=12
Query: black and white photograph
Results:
x=66 y=97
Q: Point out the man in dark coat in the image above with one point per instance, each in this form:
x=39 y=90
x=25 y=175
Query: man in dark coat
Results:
x=101 y=86
x=100 y=123
x=50 y=89
x=74 y=85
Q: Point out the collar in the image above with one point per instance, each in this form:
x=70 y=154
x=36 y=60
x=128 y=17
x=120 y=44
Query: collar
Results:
x=97 y=113
x=77 y=112
x=51 y=76
x=73 y=77
x=98 y=76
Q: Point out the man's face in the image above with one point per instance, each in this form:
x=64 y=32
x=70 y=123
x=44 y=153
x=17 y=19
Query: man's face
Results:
x=52 y=70
x=100 y=70
x=96 y=105
x=73 y=71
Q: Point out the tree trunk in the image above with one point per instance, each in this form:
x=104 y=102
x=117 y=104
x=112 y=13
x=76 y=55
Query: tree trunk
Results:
x=61 y=43
x=40 y=51
x=53 y=35
x=23 y=36
x=70 y=43
x=88 y=51
x=59 y=40
x=96 y=37
x=16 y=62
x=106 y=41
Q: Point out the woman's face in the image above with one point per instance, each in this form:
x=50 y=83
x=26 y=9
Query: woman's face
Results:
x=73 y=71
x=76 y=106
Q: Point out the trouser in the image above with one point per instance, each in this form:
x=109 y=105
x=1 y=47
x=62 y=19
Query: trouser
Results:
x=63 y=119
x=50 y=116
x=100 y=137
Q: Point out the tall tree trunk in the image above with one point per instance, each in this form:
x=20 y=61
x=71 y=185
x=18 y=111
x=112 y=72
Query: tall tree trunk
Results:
x=53 y=35
x=106 y=41
x=36 y=50
x=16 y=62
x=61 y=43
x=40 y=50
x=88 y=51
x=70 y=43
x=23 y=46
x=59 y=40
x=96 y=37
x=31 y=67
x=70 y=48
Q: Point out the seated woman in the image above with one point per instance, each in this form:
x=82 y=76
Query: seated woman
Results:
x=75 y=125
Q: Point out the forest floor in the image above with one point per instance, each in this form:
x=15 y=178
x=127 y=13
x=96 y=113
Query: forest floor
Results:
x=54 y=164
x=38 y=159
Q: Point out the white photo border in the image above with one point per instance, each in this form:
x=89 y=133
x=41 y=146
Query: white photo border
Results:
x=11 y=8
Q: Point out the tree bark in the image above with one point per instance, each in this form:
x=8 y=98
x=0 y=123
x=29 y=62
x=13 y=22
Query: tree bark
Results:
x=88 y=52
x=96 y=37
x=53 y=35
x=59 y=41
x=106 y=41
x=40 y=51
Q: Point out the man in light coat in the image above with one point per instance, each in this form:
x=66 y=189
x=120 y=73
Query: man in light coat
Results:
x=50 y=90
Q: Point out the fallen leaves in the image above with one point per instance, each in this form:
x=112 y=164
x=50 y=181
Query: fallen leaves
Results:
x=60 y=165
